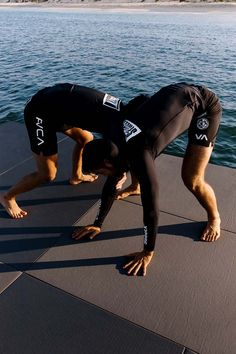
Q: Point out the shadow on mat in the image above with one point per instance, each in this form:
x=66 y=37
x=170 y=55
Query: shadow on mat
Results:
x=26 y=203
x=30 y=202
x=20 y=239
x=41 y=238
x=57 y=183
x=89 y=262
x=118 y=261
x=191 y=230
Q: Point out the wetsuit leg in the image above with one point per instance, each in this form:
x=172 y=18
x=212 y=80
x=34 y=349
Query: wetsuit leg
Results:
x=42 y=134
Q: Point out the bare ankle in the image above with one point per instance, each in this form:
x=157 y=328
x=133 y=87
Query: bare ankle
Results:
x=214 y=218
x=8 y=198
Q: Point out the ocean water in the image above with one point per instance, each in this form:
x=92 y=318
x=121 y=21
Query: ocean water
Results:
x=123 y=53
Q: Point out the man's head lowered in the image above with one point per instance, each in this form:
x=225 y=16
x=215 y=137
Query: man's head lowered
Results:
x=101 y=156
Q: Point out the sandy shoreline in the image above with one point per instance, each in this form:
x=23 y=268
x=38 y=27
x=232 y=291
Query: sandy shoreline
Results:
x=128 y=6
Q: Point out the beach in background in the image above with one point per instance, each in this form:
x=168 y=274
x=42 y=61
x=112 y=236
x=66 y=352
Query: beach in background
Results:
x=135 y=5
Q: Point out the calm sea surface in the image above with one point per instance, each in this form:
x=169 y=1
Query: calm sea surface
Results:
x=123 y=53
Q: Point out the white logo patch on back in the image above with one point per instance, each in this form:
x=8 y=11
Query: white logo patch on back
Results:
x=130 y=129
x=111 y=102
x=202 y=123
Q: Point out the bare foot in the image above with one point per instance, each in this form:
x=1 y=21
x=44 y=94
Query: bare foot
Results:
x=84 y=178
x=212 y=231
x=12 y=208
x=131 y=190
x=121 y=181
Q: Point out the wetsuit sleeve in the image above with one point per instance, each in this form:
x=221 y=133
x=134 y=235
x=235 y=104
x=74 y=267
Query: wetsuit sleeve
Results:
x=109 y=193
x=143 y=166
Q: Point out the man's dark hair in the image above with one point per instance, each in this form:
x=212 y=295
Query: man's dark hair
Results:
x=96 y=151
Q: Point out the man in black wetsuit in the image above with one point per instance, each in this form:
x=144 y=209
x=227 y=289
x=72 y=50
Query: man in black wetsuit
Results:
x=139 y=140
x=69 y=109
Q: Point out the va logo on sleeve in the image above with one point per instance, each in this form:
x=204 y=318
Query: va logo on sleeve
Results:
x=201 y=137
x=111 y=102
x=130 y=130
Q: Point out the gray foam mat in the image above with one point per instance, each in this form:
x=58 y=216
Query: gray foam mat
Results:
x=7 y=276
x=188 y=294
x=38 y=318
x=14 y=145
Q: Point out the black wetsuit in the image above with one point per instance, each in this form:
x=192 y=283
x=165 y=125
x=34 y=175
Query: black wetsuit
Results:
x=147 y=132
x=60 y=107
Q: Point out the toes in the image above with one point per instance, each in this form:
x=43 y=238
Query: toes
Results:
x=19 y=214
x=74 y=182
x=206 y=237
x=210 y=235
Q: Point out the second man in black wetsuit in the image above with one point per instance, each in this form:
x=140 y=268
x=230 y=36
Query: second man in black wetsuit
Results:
x=73 y=110
x=135 y=144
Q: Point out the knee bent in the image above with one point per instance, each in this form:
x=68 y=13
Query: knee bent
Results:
x=193 y=183
x=47 y=178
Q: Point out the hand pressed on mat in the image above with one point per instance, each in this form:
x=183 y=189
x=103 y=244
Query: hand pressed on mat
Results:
x=89 y=231
x=139 y=263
